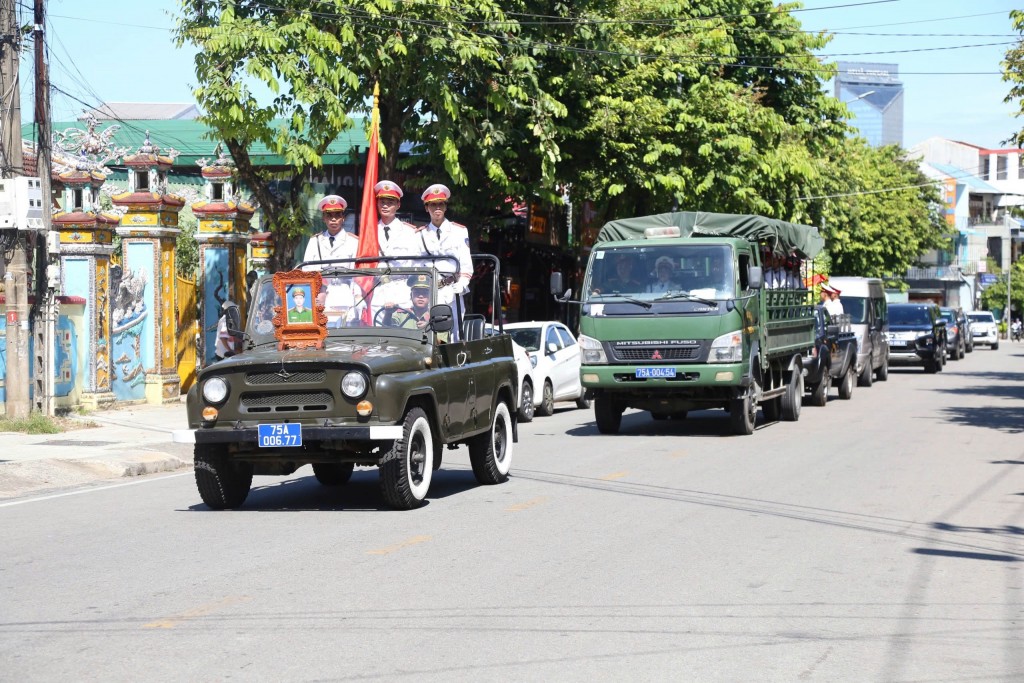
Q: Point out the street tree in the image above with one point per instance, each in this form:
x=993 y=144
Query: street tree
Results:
x=318 y=63
x=881 y=213
x=1013 y=73
x=993 y=297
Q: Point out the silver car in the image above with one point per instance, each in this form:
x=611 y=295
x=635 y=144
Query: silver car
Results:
x=984 y=328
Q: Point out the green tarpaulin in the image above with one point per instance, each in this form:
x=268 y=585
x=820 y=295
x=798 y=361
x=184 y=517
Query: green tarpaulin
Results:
x=780 y=236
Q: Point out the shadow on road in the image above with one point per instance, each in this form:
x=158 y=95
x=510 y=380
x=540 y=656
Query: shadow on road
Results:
x=362 y=492
x=1009 y=420
x=991 y=557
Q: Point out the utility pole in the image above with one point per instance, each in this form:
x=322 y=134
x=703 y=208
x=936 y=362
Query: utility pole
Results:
x=15 y=279
x=45 y=318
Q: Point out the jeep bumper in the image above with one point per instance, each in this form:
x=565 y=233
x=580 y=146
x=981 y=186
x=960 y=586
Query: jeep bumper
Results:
x=248 y=435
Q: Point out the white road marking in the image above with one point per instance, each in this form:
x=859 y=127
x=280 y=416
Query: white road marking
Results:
x=93 y=490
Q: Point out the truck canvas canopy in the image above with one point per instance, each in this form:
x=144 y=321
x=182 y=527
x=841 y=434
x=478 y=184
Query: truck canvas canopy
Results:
x=781 y=236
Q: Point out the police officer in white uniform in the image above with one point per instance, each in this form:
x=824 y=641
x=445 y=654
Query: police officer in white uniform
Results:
x=452 y=240
x=337 y=296
x=395 y=238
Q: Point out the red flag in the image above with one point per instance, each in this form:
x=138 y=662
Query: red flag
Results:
x=368 y=245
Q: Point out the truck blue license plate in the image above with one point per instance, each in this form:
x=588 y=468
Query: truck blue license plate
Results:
x=280 y=436
x=649 y=373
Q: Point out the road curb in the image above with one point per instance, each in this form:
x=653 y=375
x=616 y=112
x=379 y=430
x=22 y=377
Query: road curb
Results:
x=20 y=477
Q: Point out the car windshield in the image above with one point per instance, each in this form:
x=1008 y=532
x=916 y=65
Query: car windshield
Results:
x=909 y=316
x=394 y=298
x=856 y=307
x=527 y=337
x=981 y=317
x=949 y=316
x=647 y=273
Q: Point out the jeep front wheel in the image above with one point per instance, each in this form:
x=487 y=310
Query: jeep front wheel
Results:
x=406 y=468
x=222 y=484
x=490 y=453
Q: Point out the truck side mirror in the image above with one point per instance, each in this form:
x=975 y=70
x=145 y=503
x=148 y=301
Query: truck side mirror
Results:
x=441 y=319
x=556 y=283
x=755 y=277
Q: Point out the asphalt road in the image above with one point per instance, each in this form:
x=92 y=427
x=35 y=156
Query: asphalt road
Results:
x=876 y=539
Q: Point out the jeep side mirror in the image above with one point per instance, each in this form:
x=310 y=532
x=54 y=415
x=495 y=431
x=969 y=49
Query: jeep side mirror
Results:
x=556 y=283
x=755 y=277
x=441 y=318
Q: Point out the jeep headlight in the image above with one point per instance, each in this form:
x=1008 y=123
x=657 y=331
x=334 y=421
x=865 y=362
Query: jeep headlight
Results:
x=354 y=384
x=727 y=349
x=592 y=350
x=215 y=390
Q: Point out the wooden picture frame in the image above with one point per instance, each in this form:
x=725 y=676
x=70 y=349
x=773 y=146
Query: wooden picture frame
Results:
x=299 y=322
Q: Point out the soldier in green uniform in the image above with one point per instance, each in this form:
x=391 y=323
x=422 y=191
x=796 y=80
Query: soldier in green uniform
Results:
x=298 y=313
x=418 y=314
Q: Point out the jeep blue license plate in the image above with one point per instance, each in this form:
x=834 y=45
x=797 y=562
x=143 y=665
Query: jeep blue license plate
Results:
x=648 y=373
x=280 y=436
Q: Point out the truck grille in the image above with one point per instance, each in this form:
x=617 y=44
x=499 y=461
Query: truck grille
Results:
x=275 y=377
x=312 y=401
x=649 y=354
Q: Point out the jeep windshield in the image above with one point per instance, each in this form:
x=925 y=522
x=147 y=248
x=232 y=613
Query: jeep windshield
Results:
x=646 y=275
x=363 y=301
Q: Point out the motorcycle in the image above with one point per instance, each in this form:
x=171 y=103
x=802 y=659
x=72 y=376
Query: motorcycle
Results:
x=1016 y=333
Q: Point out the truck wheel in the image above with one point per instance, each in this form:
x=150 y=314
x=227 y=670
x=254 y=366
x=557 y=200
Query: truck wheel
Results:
x=222 y=484
x=526 y=403
x=407 y=467
x=819 y=393
x=659 y=416
x=742 y=415
x=866 y=376
x=772 y=409
x=883 y=372
x=846 y=384
x=608 y=413
x=547 y=402
x=792 y=400
x=490 y=453
x=995 y=345
x=583 y=403
x=333 y=473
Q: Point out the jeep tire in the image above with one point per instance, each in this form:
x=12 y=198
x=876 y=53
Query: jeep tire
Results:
x=222 y=484
x=333 y=473
x=407 y=467
x=490 y=453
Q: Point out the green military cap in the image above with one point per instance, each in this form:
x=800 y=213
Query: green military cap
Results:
x=419 y=281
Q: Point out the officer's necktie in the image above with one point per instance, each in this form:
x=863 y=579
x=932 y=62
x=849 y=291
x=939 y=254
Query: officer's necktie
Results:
x=330 y=238
x=439 y=234
x=386 y=231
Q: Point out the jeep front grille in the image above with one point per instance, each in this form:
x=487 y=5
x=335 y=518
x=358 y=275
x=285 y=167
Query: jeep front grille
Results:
x=279 y=377
x=278 y=402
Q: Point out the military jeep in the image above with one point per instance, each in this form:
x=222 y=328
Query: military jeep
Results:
x=389 y=387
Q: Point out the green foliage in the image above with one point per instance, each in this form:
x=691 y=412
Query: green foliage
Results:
x=883 y=213
x=35 y=423
x=1013 y=73
x=186 y=248
x=994 y=296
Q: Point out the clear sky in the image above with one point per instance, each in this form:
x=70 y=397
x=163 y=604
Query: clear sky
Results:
x=122 y=51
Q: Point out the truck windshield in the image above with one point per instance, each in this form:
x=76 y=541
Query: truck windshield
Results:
x=651 y=273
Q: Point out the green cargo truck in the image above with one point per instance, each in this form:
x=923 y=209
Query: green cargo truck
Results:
x=679 y=313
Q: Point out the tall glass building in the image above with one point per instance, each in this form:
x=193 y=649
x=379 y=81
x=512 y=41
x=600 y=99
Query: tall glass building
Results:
x=874 y=94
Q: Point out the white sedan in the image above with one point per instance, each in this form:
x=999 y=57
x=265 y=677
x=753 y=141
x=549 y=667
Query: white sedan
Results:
x=555 y=357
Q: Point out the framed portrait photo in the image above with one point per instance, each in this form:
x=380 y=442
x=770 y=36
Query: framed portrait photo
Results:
x=299 y=322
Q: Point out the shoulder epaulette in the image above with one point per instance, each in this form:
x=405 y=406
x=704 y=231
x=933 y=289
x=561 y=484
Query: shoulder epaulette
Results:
x=458 y=225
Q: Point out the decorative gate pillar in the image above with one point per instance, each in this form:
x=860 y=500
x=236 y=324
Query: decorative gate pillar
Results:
x=262 y=250
x=222 y=235
x=144 y=321
x=86 y=242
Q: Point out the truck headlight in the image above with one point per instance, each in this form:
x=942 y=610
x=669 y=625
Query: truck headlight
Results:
x=353 y=384
x=592 y=351
x=215 y=390
x=727 y=349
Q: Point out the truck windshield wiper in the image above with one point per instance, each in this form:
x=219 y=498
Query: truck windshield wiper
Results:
x=688 y=296
x=639 y=302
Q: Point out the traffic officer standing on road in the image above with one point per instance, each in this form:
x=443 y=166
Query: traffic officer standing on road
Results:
x=334 y=242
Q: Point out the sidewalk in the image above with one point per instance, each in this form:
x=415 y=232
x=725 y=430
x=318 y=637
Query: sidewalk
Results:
x=124 y=442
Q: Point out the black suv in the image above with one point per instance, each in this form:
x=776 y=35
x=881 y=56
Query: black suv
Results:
x=917 y=336
x=956 y=339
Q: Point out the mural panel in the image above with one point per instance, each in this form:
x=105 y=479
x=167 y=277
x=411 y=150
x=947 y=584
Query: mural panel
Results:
x=132 y=331
x=216 y=290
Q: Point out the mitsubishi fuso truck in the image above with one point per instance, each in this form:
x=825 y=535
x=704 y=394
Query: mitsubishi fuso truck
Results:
x=691 y=310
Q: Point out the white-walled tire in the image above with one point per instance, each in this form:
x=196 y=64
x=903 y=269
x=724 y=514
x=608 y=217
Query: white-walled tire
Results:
x=407 y=467
x=490 y=453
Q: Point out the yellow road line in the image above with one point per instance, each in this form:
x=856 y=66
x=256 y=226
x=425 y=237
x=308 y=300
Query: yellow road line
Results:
x=526 y=505
x=196 y=612
x=613 y=476
x=398 y=546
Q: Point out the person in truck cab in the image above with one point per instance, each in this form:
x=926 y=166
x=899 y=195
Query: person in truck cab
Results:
x=623 y=280
x=665 y=277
